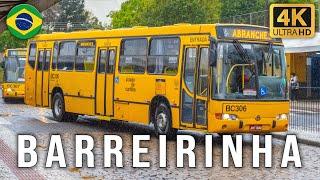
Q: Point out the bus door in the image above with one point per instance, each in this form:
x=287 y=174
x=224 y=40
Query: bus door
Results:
x=105 y=81
x=195 y=87
x=42 y=77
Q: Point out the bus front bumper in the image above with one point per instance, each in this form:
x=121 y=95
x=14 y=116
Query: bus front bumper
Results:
x=264 y=125
x=11 y=93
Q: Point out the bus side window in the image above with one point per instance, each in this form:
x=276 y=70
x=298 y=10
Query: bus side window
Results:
x=47 y=60
x=32 y=55
x=85 y=56
x=55 y=55
x=67 y=52
x=190 y=66
x=40 y=60
x=163 y=56
x=102 y=60
x=133 y=56
x=112 y=57
x=203 y=72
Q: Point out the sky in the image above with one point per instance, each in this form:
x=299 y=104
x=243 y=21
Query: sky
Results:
x=100 y=8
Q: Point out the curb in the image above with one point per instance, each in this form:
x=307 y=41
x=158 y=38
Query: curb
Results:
x=300 y=140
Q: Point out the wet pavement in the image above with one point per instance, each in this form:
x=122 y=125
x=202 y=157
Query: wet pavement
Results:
x=17 y=118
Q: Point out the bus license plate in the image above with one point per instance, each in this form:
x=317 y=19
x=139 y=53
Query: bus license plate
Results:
x=255 y=128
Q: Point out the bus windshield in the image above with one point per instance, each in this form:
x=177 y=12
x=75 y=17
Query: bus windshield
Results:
x=250 y=71
x=14 y=69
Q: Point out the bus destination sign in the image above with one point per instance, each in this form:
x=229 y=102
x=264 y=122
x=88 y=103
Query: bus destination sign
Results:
x=16 y=53
x=250 y=33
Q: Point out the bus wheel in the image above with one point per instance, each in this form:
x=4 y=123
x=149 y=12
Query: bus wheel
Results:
x=58 y=109
x=163 y=122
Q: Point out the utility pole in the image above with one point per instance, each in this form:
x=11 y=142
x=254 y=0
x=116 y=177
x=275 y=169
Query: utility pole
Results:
x=266 y=14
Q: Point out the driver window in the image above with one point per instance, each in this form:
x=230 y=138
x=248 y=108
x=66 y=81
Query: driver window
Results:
x=190 y=65
x=203 y=73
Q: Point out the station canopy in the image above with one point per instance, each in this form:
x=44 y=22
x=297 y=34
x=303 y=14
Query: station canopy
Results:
x=6 y=5
x=302 y=45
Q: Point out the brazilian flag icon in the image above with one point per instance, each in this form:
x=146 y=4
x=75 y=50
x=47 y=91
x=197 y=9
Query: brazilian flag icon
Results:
x=24 y=21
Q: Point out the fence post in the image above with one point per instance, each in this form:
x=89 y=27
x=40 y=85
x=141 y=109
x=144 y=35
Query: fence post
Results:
x=309 y=77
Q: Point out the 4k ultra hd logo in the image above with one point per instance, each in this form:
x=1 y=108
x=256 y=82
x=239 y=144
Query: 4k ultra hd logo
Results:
x=24 y=21
x=292 y=20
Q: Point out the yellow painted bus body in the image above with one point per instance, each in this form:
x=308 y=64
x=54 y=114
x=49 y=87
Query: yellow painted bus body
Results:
x=131 y=97
x=13 y=90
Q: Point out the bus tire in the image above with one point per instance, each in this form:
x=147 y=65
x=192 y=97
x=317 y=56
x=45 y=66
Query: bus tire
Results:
x=163 y=121
x=58 y=108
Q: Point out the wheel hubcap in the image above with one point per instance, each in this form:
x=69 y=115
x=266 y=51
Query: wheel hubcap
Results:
x=162 y=121
x=58 y=107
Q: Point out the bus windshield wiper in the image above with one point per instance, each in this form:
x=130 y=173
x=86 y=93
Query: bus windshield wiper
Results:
x=244 y=55
x=241 y=51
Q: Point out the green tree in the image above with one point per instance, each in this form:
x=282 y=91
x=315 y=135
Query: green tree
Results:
x=93 y=21
x=9 y=41
x=212 y=8
x=72 y=11
x=178 y=11
x=131 y=13
x=230 y=8
x=165 y=12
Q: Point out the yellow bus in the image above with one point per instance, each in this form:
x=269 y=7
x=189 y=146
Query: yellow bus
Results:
x=13 y=64
x=215 y=78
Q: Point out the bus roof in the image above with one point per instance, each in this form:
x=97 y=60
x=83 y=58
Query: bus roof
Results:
x=177 y=29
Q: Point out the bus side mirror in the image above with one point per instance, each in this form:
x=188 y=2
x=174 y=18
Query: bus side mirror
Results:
x=213 y=52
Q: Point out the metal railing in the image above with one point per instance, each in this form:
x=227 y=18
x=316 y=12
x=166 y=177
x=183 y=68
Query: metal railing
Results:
x=67 y=26
x=260 y=18
x=305 y=110
x=255 y=18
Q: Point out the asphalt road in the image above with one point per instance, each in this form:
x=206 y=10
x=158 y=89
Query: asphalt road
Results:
x=17 y=118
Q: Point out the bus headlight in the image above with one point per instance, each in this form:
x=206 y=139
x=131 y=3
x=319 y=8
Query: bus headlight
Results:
x=9 y=90
x=226 y=116
x=282 y=117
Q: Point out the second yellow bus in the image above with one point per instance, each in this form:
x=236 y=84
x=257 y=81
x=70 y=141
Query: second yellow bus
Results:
x=14 y=66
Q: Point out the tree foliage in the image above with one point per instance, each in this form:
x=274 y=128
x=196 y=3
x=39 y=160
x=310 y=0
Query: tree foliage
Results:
x=71 y=11
x=231 y=8
x=8 y=41
x=164 y=12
